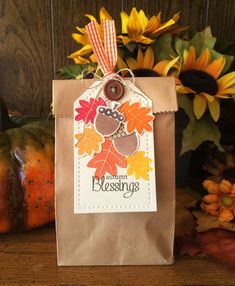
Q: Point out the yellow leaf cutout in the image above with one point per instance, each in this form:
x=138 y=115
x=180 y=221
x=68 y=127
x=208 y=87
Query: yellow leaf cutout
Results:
x=139 y=165
x=89 y=142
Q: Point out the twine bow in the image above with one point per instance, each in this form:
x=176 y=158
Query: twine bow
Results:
x=106 y=54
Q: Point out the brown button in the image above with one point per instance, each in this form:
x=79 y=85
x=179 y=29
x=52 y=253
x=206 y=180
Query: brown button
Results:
x=113 y=89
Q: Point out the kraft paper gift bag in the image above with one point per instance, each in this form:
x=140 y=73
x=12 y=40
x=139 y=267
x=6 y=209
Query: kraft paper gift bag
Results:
x=118 y=236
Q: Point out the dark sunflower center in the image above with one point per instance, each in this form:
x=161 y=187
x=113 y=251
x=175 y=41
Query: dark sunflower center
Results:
x=229 y=174
x=199 y=81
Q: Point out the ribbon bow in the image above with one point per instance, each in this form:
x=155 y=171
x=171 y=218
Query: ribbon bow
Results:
x=106 y=54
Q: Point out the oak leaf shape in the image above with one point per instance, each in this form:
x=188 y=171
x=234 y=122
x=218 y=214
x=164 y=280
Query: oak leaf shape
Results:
x=107 y=160
x=139 y=165
x=89 y=142
x=88 y=109
x=137 y=117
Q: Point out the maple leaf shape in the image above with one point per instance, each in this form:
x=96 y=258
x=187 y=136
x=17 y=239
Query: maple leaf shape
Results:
x=88 y=142
x=137 y=118
x=138 y=165
x=107 y=160
x=215 y=243
x=87 y=109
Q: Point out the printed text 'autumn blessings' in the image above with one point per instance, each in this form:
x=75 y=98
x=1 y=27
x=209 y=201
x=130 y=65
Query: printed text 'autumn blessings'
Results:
x=101 y=185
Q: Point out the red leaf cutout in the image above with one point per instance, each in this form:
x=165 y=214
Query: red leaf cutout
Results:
x=107 y=160
x=87 y=109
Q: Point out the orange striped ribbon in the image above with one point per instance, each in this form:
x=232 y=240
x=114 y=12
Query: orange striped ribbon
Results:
x=106 y=54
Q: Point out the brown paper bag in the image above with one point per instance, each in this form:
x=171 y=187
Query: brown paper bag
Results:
x=116 y=238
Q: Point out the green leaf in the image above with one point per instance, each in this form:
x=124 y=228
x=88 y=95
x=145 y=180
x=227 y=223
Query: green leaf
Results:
x=73 y=71
x=131 y=46
x=162 y=48
x=227 y=48
x=203 y=39
x=197 y=131
x=200 y=41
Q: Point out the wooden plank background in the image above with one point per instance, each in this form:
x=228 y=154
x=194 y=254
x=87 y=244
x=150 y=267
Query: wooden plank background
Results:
x=35 y=39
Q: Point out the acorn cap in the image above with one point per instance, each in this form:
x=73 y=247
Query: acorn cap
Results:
x=121 y=132
x=111 y=113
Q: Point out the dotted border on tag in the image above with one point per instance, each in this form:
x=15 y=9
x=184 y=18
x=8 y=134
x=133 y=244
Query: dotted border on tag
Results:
x=108 y=207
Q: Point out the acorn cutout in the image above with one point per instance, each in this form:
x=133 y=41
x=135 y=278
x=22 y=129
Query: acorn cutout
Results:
x=126 y=144
x=108 y=120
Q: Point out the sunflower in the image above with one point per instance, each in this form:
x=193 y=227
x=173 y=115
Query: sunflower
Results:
x=85 y=54
x=145 y=61
x=139 y=29
x=202 y=77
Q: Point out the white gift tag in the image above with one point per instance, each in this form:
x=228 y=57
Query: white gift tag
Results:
x=114 y=168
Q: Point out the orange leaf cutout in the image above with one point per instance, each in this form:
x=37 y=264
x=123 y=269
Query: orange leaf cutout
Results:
x=137 y=118
x=89 y=142
x=107 y=160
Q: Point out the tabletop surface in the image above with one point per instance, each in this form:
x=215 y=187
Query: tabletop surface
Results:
x=30 y=259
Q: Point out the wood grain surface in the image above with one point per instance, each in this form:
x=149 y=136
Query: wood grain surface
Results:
x=69 y=14
x=30 y=259
x=35 y=38
x=221 y=18
x=26 y=55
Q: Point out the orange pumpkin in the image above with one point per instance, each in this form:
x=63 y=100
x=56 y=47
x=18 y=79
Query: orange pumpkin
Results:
x=26 y=174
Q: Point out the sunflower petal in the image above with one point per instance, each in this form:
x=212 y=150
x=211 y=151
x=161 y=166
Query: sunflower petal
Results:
x=176 y=17
x=169 y=66
x=81 y=60
x=166 y=25
x=104 y=15
x=142 y=39
x=125 y=39
x=143 y=19
x=121 y=64
x=216 y=67
x=152 y=25
x=125 y=19
x=223 y=96
x=214 y=108
x=203 y=61
x=191 y=59
x=185 y=55
x=140 y=58
x=199 y=105
x=134 y=26
x=226 y=81
x=148 y=58
x=92 y=18
x=184 y=89
x=178 y=30
x=93 y=58
x=81 y=39
x=209 y=97
x=82 y=52
x=132 y=63
x=160 y=67
x=81 y=30
x=230 y=90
